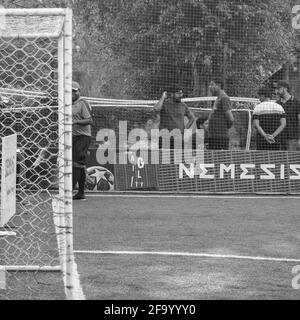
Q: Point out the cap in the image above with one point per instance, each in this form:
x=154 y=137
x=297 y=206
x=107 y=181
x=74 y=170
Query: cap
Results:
x=75 y=86
x=282 y=84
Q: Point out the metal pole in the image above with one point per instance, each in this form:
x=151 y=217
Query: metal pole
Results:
x=249 y=132
x=225 y=65
x=68 y=155
x=60 y=223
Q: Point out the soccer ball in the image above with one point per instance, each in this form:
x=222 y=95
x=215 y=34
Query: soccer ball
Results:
x=99 y=179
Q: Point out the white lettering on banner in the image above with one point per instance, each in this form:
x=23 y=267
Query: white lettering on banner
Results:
x=189 y=170
x=270 y=175
x=244 y=175
x=138 y=164
x=8 y=179
x=295 y=168
x=224 y=168
x=282 y=172
x=141 y=163
x=203 y=173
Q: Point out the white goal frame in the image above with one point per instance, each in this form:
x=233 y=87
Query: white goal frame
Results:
x=64 y=40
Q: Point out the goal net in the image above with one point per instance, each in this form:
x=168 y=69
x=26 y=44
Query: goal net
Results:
x=203 y=53
x=35 y=95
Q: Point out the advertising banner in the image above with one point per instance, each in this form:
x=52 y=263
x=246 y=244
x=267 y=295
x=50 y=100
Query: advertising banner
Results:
x=272 y=172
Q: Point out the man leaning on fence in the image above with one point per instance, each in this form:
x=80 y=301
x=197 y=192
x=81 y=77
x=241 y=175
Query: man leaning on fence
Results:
x=82 y=121
x=291 y=106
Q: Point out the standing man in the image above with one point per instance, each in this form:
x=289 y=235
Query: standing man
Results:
x=220 y=119
x=269 y=120
x=291 y=106
x=172 y=113
x=82 y=121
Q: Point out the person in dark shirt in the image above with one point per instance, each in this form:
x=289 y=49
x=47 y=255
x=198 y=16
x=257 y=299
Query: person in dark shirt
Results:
x=172 y=112
x=291 y=106
x=81 y=139
x=269 y=120
x=220 y=119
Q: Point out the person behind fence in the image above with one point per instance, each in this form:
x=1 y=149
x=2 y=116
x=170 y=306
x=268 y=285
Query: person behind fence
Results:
x=220 y=119
x=82 y=121
x=291 y=106
x=172 y=112
x=269 y=121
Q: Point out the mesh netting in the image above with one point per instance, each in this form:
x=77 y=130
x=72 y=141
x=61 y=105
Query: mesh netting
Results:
x=141 y=114
x=29 y=107
x=195 y=57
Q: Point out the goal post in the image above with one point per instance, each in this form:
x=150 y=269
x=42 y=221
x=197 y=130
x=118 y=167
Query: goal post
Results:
x=36 y=105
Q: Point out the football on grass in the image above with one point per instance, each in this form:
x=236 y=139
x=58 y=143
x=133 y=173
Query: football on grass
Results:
x=99 y=179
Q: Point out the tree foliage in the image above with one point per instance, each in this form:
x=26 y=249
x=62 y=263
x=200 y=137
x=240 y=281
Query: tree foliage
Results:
x=138 y=48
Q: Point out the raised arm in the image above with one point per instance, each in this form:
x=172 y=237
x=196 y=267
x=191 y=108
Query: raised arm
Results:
x=190 y=115
x=160 y=103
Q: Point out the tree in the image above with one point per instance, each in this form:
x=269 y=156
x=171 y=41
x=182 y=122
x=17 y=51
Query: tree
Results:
x=167 y=40
x=138 y=48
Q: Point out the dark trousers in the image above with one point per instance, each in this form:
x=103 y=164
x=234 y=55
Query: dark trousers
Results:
x=218 y=143
x=80 y=148
x=262 y=144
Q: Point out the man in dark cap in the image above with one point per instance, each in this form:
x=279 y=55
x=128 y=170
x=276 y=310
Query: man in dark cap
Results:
x=82 y=121
x=291 y=106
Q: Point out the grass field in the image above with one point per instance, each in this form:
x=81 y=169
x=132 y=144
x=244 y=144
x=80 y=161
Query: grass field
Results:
x=35 y=244
x=163 y=247
x=167 y=247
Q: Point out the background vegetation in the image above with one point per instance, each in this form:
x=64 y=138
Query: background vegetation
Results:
x=137 y=48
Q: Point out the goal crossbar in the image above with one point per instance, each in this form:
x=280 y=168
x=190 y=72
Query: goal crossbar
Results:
x=32 y=23
x=30 y=12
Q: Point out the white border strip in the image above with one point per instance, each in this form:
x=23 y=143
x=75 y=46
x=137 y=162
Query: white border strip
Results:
x=7 y=234
x=215 y=197
x=33 y=268
x=183 y=254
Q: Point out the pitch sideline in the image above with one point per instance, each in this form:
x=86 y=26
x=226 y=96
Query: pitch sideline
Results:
x=185 y=254
x=159 y=195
